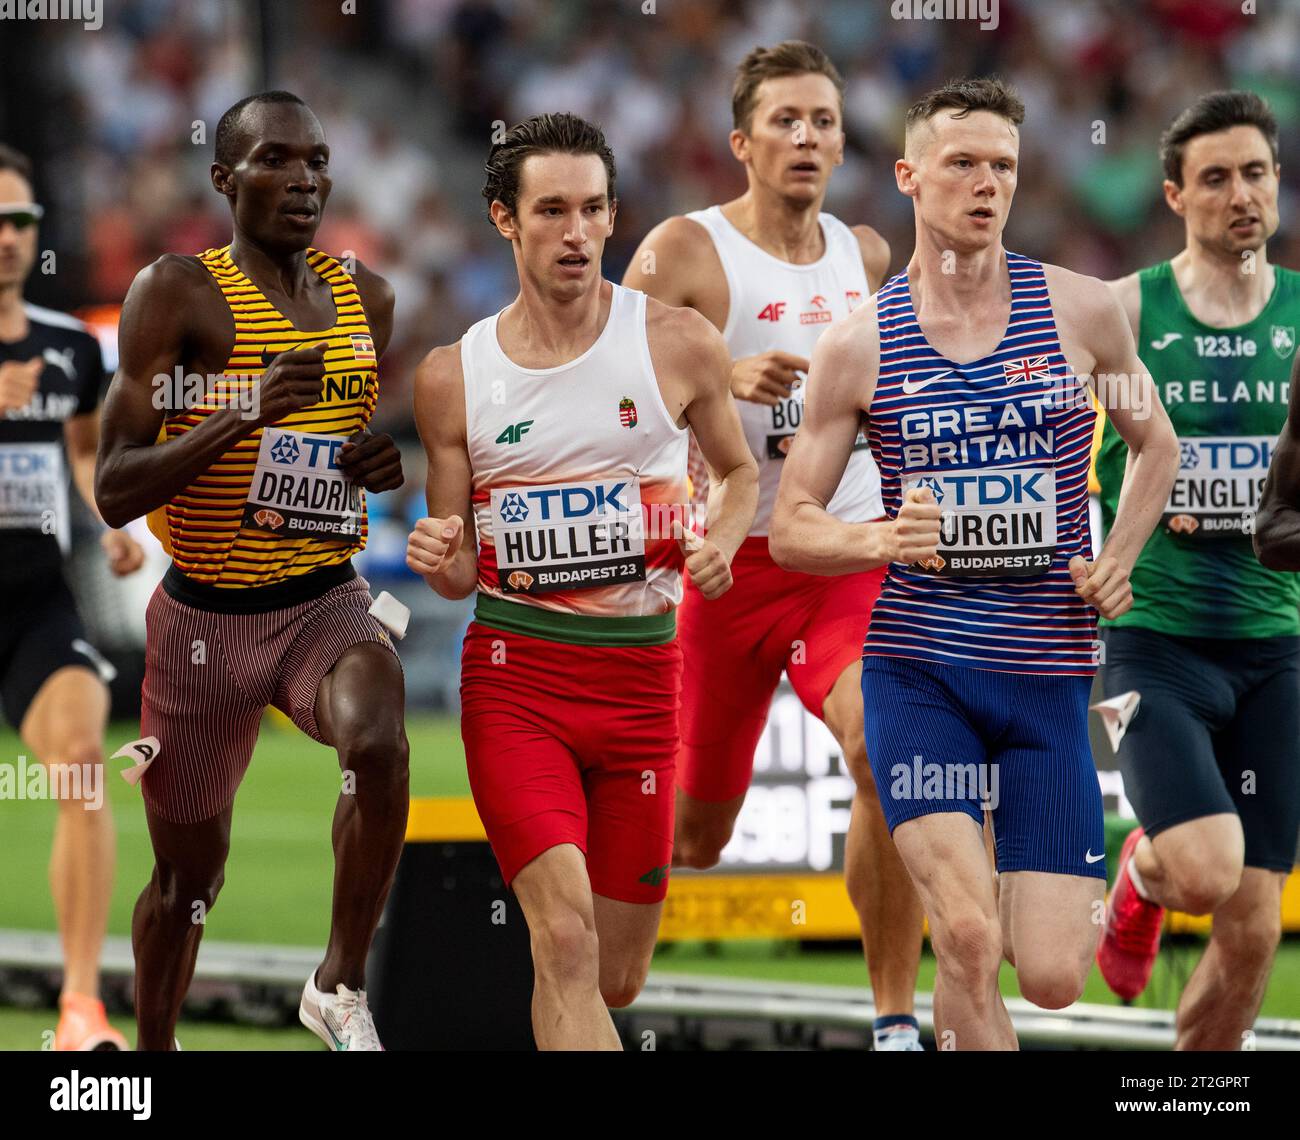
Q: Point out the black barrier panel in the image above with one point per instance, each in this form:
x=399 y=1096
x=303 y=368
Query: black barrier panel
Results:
x=451 y=966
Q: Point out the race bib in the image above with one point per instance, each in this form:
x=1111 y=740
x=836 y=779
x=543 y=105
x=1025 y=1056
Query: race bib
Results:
x=569 y=536
x=994 y=522
x=785 y=417
x=1220 y=483
x=33 y=491
x=784 y=420
x=298 y=490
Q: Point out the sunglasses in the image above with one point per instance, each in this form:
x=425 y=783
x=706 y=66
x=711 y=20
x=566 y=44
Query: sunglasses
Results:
x=21 y=216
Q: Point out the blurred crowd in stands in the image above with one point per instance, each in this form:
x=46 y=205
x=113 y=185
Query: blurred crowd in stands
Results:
x=409 y=92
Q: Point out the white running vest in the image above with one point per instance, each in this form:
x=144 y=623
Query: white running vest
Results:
x=775 y=305
x=578 y=472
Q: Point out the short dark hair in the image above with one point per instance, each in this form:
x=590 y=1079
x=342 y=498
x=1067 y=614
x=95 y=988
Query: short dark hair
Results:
x=226 y=146
x=790 y=57
x=557 y=133
x=1216 y=111
x=965 y=96
x=15 y=160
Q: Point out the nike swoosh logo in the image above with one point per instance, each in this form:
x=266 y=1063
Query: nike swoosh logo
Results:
x=1091 y=858
x=912 y=386
x=1165 y=341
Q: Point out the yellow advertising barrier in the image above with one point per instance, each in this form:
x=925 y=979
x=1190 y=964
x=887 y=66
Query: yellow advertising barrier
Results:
x=704 y=905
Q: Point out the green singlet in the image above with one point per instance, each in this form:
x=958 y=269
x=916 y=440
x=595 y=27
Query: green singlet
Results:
x=1226 y=392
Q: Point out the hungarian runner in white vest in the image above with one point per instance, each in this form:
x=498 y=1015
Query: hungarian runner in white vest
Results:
x=557 y=434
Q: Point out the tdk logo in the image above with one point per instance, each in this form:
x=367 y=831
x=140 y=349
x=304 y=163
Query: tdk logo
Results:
x=991 y=490
x=1226 y=455
x=931 y=484
x=25 y=464
x=560 y=504
x=322 y=450
x=285 y=449
x=513 y=508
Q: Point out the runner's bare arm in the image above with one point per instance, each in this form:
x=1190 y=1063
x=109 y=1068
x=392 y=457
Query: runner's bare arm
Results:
x=1277 y=525
x=692 y=366
x=875 y=256
x=81 y=441
x=804 y=535
x=169 y=319
x=443 y=548
x=1128 y=291
x=1099 y=326
x=678 y=265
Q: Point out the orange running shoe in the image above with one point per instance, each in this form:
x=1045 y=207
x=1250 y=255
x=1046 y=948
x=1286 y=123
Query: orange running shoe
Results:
x=1131 y=941
x=84 y=1026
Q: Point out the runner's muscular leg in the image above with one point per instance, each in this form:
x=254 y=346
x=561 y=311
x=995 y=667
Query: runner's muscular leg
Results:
x=1194 y=866
x=555 y=894
x=167 y=926
x=65 y=725
x=702 y=829
x=359 y=711
x=626 y=933
x=1224 y=993
x=888 y=906
x=1052 y=924
x=944 y=853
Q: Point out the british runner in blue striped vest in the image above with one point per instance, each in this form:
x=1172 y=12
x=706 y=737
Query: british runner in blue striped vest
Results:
x=972 y=373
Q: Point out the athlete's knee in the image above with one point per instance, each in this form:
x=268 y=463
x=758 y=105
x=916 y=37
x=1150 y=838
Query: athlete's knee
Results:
x=1051 y=985
x=1250 y=944
x=1204 y=886
x=188 y=893
x=969 y=943
x=75 y=768
x=699 y=837
x=566 y=950
x=697 y=850
x=376 y=748
x=619 y=988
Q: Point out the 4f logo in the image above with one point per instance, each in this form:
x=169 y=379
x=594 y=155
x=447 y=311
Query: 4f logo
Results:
x=655 y=875
x=515 y=432
x=772 y=312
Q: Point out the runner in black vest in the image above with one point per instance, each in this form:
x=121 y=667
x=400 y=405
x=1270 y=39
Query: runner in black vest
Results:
x=51 y=686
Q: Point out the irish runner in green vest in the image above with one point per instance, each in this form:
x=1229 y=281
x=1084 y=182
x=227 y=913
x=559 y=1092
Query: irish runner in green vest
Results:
x=1211 y=759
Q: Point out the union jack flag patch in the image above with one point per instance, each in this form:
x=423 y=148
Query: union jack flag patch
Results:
x=1027 y=369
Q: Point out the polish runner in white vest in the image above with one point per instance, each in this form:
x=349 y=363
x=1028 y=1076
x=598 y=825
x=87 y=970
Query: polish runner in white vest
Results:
x=556 y=432
x=773 y=272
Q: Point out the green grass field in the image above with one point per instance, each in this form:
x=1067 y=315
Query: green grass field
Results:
x=278 y=885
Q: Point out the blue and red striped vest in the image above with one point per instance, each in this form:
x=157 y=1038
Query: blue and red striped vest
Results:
x=1004 y=443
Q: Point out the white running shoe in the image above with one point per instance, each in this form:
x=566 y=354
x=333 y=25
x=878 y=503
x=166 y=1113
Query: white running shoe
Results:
x=344 y=1023
x=901 y=1039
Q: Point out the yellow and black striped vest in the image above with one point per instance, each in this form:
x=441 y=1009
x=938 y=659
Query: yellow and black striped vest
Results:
x=203 y=528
